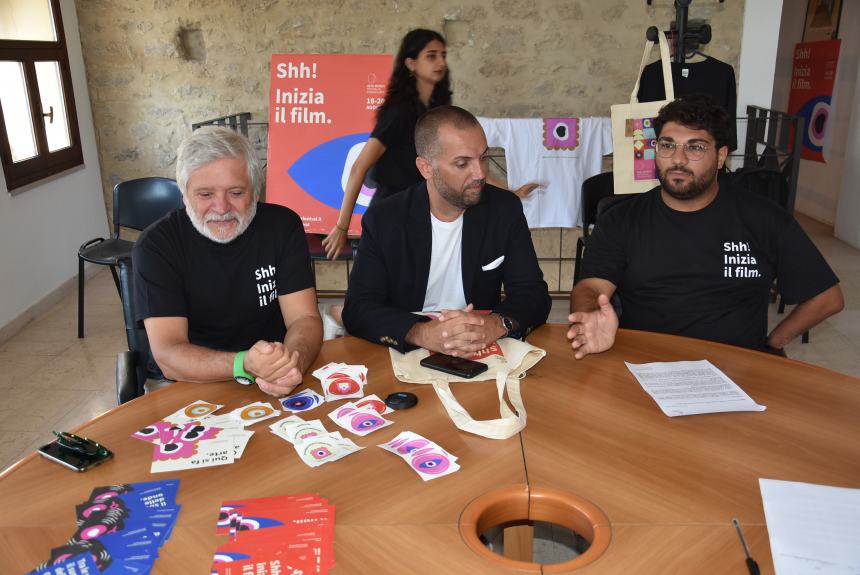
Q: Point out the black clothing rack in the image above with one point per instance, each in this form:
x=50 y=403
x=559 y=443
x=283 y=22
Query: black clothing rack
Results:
x=683 y=35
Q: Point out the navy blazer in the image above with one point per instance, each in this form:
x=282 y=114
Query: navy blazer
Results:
x=389 y=278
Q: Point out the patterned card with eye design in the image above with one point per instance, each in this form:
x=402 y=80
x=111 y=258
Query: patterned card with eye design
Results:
x=360 y=421
x=290 y=534
x=305 y=400
x=426 y=458
x=342 y=381
x=119 y=530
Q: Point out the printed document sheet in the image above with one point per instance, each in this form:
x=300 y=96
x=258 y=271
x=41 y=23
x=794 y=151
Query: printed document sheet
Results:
x=691 y=387
x=812 y=528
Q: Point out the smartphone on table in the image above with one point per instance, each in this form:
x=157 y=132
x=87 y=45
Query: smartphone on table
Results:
x=76 y=453
x=459 y=366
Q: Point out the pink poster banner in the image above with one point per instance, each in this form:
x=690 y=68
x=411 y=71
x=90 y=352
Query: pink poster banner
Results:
x=322 y=108
x=812 y=79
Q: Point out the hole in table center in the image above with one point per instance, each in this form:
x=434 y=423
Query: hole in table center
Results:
x=535 y=529
x=538 y=541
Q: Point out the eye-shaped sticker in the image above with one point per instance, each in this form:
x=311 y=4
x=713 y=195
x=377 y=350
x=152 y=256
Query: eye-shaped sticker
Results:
x=411 y=445
x=200 y=409
x=301 y=401
x=362 y=422
x=342 y=384
x=430 y=462
x=253 y=412
x=317 y=451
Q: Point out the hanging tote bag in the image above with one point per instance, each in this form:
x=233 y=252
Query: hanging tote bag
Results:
x=633 y=137
x=508 y=360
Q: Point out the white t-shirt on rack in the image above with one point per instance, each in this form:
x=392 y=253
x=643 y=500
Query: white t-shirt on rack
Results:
x=445 y=282
x=532 y=155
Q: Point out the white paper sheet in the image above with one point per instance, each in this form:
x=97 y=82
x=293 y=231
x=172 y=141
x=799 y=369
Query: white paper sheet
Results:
x=691 y=387
x=813 y=529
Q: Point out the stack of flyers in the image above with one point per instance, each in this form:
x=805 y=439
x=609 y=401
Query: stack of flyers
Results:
x=342 y=381
x=426 y=458
x=291 y=535
x=304 y=400
x=120 y=529
x=359 y=420
x=314 y=444
x=183 y=441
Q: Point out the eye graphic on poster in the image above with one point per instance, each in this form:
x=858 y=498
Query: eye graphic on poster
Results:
x=322 y=171
x=322 y=109
x=813 y=79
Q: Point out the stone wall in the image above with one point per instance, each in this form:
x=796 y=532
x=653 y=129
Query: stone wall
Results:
x=154 y=67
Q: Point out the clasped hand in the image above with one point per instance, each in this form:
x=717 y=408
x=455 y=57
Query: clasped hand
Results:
x=277 y=369
x=461 y=332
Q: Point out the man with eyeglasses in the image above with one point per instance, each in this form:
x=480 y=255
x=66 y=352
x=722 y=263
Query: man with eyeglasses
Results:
x=696 y=257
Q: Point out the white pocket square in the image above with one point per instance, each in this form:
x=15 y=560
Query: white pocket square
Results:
x=493 y=264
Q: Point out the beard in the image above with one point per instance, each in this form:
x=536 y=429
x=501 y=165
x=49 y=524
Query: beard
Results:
x=462 y=199
x=685 y=191
x=201 y=223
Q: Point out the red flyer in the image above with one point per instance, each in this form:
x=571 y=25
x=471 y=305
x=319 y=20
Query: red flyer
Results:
x=812 y=80
x=322 y=108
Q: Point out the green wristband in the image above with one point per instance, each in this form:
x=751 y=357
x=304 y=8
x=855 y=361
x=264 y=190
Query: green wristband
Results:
x=239 y=373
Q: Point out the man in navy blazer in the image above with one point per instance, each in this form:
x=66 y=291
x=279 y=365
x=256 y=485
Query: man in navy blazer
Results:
x=446 y=245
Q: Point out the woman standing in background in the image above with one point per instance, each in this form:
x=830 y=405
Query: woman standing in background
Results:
x=420 y=81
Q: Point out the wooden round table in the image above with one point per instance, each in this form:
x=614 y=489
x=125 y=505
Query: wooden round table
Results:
x=669 y=486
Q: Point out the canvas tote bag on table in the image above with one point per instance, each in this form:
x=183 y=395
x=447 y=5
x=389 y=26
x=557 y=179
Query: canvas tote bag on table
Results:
x=508 y=360
x=633 y=138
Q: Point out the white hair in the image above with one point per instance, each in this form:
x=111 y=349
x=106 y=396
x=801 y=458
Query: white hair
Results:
x=211 y=143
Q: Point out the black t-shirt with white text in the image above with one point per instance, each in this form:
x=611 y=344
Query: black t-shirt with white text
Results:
x=704 y=274
x=229 y=292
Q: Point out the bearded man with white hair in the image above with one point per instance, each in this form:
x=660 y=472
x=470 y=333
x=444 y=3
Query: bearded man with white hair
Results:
x=225 y=286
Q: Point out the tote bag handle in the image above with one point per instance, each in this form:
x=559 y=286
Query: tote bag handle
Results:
x=665 y=60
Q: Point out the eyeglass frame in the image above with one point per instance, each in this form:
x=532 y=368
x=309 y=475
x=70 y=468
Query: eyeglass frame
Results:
x=660 y=147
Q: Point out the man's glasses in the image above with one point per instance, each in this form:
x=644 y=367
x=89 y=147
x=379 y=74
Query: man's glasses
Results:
x=80 y=445
x=694 y=152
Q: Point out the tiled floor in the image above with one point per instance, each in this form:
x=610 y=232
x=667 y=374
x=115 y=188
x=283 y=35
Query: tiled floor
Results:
x=52 y=380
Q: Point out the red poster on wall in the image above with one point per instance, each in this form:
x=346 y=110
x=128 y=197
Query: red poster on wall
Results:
x=812 y=80
x=322 y=108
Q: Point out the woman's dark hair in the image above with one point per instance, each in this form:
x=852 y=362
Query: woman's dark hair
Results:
x=699 y=112
x=401 y=85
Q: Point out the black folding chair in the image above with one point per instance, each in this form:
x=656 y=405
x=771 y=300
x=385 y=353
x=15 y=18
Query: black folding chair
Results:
x=136 y=204
x=593 y=190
